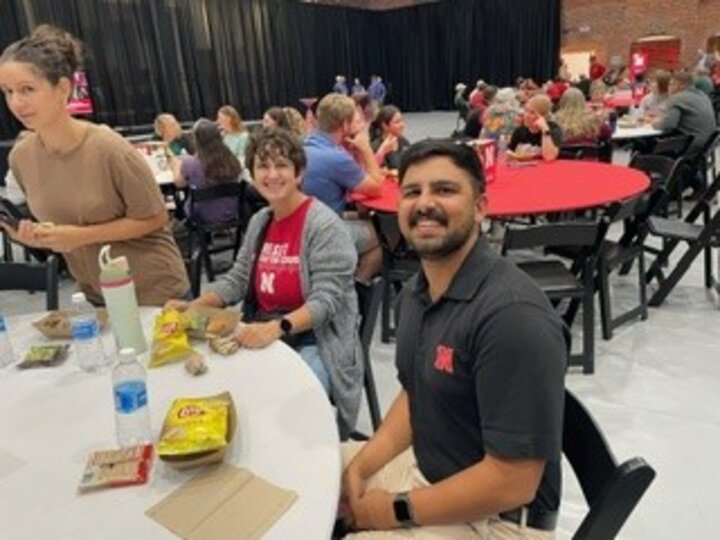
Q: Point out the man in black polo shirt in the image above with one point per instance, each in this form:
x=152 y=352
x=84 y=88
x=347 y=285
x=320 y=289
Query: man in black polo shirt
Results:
x=538 y=132
x=471 y=446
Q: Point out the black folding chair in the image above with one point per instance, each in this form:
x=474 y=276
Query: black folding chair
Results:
x=612 y=490
x=206 y=234
x=674 y=146
x=699 y=231
x=32 y=277
x=560 y=281
x=399 y=263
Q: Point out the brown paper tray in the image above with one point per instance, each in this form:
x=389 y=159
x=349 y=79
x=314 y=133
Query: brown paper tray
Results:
x=189 y=461
x=56 y=324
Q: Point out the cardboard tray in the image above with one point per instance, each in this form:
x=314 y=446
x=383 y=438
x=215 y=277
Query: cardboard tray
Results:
x=224 y=321
x=198 y=459
x=56 y=324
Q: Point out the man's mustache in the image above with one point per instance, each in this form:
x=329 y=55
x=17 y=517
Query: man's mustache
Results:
x=433 y=214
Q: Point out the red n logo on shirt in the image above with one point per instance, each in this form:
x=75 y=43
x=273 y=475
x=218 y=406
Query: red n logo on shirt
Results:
x=444 y=359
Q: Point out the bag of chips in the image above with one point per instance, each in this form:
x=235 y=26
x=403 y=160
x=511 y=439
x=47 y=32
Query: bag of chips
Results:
x=170 y=339
x=197 y=427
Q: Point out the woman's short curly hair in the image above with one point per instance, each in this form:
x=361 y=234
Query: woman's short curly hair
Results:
x=271 y=143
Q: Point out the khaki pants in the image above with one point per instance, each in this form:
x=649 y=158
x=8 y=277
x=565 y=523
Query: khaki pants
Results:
x=403 y=474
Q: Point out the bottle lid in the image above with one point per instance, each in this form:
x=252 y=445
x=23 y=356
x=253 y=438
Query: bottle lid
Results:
x=127 y=351
x=78 y=297
x=112 y=269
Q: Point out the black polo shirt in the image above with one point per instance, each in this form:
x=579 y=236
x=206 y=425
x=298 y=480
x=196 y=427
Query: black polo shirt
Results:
x=522 y=135
x=484 y=370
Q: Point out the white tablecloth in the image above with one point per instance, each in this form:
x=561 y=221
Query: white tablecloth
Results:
x=52 y=418
x=639 y=132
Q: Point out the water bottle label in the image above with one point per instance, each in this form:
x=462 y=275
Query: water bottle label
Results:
x=85 y=330
x=130 y=396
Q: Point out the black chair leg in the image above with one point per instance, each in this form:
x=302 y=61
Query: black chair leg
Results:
x=605 y=307
x=386 y=330
x=588 y=333
x=642 y=287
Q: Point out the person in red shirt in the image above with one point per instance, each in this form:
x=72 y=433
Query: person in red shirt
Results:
x=477 y=99
x=597 y=70
x=294 y=276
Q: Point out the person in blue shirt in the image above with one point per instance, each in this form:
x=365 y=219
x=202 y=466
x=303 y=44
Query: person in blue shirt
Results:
x=357 y=87
x=340 y=159
x=377 y=89
x=340 y=86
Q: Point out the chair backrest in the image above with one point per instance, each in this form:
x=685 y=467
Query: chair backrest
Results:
x=612 y=491
x=573 y=234
x=660 y=169
x=674 y=146
x=32 y=277
x=393 y=244
x=228 y=190
x=599 y=151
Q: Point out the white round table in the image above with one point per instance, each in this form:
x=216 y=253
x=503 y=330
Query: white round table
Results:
x=640 y=132
x=52 y=418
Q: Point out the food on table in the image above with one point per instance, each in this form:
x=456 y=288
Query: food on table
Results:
x=57 y=324
x=220 y=322
x=198 y=323
x=195 y=364
x=44 y=356
x=224 y=345
x=170 y=339
x=116 y=468
x=195 y=425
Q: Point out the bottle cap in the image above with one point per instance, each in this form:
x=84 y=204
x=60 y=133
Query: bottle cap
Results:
x=78 y=297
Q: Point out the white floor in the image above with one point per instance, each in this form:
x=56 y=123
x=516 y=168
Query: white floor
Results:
x=656 y=393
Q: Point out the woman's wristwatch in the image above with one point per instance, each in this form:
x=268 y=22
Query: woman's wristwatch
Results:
x=403 y=510
x=286 y=327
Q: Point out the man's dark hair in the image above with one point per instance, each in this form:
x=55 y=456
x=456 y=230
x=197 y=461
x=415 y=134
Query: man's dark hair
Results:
x=462 y=155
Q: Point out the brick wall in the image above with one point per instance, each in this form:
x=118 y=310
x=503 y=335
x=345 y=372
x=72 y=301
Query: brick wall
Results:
x=610 y=26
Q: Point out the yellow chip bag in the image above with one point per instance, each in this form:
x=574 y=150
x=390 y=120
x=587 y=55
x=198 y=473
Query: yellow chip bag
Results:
x=170 y=339
x=194 y=425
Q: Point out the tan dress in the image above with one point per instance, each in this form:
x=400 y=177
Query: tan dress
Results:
x=102 y=179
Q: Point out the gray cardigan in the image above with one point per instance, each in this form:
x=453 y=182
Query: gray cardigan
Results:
x=327 y=265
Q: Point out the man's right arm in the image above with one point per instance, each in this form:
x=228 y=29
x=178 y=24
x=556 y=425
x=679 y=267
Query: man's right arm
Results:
x=372 y=183
x=670 y=120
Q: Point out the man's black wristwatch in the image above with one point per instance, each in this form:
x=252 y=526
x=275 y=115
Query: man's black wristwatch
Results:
x=285 y=327
x=403 y=510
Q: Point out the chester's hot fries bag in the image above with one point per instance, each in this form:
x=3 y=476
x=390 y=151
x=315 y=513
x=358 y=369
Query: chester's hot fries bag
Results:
x=194 y=425
x=170 y=340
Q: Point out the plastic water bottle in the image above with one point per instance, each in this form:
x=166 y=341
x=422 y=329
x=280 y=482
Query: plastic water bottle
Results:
x=132 y=416
x=86 y=335
x=7 y=356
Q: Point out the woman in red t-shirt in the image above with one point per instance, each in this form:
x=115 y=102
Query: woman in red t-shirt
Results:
x=294 y=275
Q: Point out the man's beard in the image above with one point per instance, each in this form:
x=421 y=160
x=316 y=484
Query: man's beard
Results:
x=438 y=248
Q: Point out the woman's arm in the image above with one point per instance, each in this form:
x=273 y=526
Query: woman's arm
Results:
x=67 y=238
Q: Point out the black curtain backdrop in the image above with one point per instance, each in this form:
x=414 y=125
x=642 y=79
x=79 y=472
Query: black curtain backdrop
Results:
x=189 y=57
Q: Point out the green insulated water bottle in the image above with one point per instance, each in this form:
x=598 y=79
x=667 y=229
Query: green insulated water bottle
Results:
x=118 y=289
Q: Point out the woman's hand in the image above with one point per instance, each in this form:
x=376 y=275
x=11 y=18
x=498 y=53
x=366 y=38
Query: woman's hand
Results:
x=60 y=238
x=258 y=335
x=25 y=233
x=390 y=144
x=180 y=305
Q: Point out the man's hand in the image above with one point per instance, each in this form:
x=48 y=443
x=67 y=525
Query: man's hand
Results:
x=60 y=238
x=374 y=511
x=258 y=335
x=24 y=234
x=359 y=142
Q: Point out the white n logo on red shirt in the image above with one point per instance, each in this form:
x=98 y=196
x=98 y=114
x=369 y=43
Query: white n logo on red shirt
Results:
x=267 y=282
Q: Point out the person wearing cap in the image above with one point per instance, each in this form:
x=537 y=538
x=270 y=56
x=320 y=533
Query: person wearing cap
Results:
x=471 y=446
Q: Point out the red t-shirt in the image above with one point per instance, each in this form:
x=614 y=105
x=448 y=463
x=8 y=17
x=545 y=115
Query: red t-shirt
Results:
x=597 y=70
x=277 y=274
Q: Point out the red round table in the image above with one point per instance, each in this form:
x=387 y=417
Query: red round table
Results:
x=540 y=187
